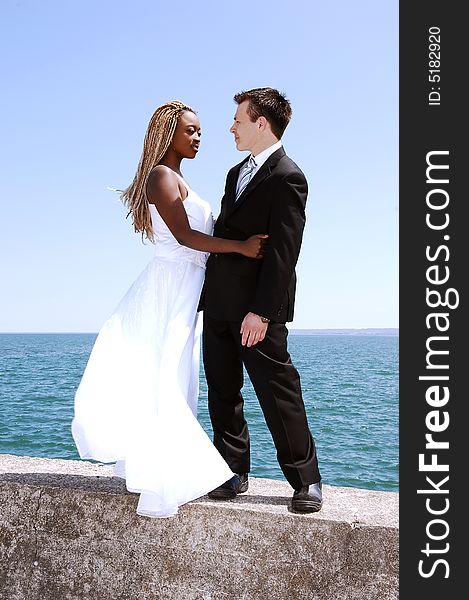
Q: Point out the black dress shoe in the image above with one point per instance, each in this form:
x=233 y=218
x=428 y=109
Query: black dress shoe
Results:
x=308 y=499
x=231 y=488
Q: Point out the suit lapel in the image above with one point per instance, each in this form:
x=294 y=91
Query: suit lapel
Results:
x=258 y=178
x=232 y=183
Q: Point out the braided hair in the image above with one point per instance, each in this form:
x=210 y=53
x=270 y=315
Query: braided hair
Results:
x=158 y=137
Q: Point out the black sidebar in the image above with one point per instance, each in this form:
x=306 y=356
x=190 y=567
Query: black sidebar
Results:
x=434 y=244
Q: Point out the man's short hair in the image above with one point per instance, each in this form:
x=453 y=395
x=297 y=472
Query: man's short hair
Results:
x=269 y=103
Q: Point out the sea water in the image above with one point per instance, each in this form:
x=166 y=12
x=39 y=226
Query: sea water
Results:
x=349 y=383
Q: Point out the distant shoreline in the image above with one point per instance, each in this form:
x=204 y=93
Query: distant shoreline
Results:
x=362 y=331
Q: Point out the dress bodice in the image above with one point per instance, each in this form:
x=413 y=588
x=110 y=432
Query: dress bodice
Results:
x=200 y=218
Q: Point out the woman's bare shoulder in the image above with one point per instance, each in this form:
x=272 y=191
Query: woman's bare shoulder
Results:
x=162 y=174
x=162 y=181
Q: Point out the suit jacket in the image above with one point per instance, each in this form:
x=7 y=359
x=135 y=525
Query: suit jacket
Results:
x=272 y=203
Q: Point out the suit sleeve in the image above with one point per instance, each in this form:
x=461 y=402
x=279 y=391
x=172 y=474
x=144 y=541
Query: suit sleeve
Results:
x=287 y=222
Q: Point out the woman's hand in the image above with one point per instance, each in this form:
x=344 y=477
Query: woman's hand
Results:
x=254 y=246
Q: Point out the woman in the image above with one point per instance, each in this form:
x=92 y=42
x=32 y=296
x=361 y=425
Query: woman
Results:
x=136 y=403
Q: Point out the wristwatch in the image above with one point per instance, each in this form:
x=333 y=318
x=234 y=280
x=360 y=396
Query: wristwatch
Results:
x=265 y=320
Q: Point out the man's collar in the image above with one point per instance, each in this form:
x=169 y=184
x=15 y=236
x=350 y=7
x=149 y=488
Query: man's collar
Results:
x=264 y=155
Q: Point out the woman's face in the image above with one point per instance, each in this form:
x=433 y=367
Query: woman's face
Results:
x=186 y=139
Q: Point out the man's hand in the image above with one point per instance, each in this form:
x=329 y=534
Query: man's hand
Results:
x=252 y=330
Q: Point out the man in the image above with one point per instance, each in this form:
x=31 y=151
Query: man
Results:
x=247 y=302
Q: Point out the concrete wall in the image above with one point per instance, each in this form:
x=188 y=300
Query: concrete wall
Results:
x=69 y=531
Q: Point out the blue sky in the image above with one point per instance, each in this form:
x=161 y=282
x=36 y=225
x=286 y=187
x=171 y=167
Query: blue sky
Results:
x=80 y=80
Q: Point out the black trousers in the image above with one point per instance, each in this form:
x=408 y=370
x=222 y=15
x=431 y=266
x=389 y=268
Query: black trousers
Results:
x=278 y=389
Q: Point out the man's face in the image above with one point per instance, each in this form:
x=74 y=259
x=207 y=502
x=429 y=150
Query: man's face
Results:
x=245 y=132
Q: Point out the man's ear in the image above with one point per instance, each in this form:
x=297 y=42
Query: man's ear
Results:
x=262 y=123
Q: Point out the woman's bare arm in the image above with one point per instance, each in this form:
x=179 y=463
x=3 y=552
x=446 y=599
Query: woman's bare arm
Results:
x=164 y=191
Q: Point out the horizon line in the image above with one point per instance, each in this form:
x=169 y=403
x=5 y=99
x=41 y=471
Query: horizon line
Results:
x=290 y=330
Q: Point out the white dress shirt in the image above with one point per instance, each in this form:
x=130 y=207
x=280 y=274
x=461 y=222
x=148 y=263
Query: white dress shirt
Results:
x=262 y=157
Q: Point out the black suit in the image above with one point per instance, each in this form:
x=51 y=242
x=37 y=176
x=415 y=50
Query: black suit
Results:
x=273 y=203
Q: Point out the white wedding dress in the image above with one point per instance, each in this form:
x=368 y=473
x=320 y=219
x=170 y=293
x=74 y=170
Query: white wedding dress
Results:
x=136 y=404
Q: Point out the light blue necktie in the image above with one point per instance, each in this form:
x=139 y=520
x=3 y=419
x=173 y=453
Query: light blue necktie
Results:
x=248 y=171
